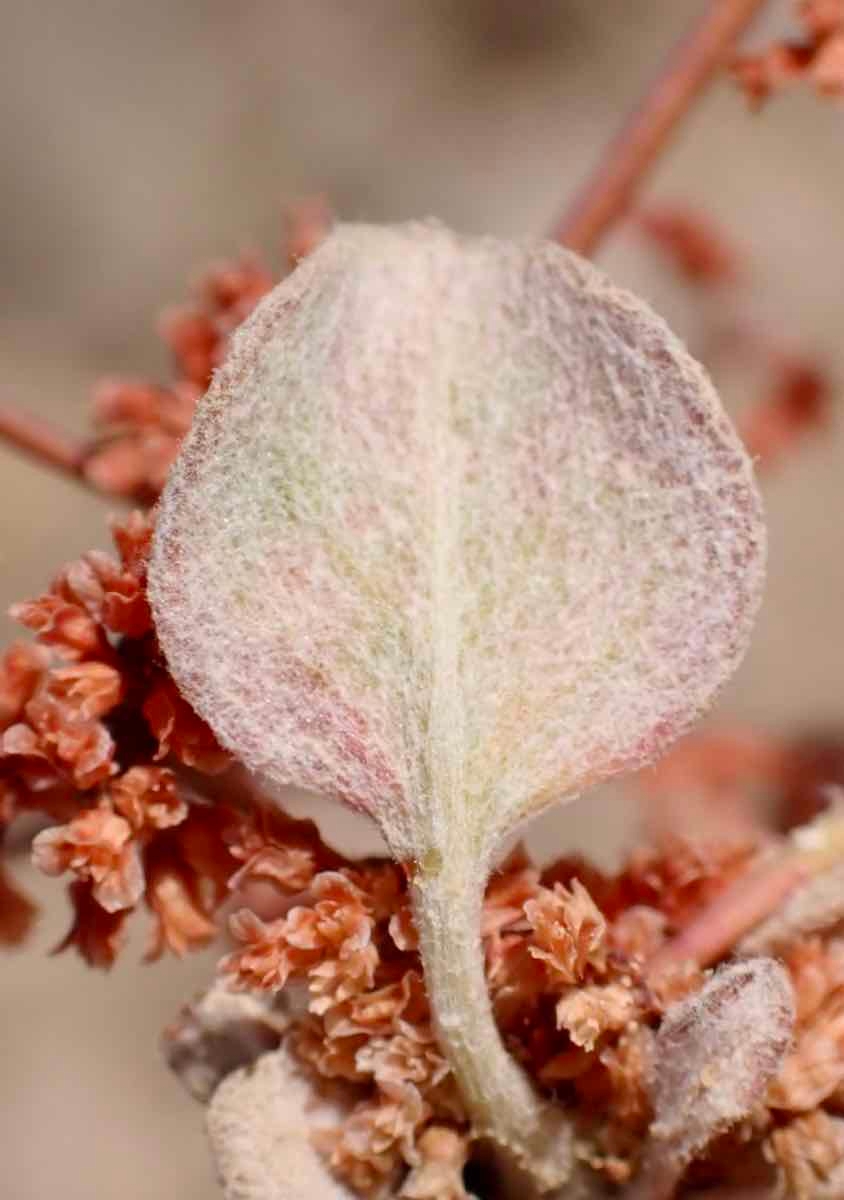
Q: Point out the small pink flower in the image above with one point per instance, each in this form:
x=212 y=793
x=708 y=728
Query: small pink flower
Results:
x=97 y=845
x=20 y=671
x=147 y=798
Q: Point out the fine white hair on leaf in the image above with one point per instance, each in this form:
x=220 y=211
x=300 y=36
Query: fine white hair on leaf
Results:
x=460 y=529
x=260 y=1121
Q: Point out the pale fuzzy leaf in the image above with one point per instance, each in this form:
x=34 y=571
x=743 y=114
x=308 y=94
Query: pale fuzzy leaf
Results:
x=459 y=529
x=716 y=1052
x=260 y=1121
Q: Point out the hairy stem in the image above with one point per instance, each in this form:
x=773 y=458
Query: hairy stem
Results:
x=500 y=1099
x=690 y=67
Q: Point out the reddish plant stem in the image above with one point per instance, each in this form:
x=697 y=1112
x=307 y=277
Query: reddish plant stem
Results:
x=809 y=852
x=42 y=441
x=690 y=67
x=745 y=904
x=603 y=199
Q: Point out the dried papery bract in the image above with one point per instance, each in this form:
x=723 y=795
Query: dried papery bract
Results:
x=460 y=528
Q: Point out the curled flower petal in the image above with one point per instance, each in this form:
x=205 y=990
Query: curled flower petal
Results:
x=180 y=731
x=148 y=798
x=66 y=627
x=20 y=671
x=569 y=931
x=179 y=901
x=97 y=846
x=88 y=689
x=264 y=963
x=587 y=1013
x=84 y=748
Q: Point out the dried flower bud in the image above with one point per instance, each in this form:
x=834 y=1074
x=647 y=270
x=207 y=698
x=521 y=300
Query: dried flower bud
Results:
x=459 y=529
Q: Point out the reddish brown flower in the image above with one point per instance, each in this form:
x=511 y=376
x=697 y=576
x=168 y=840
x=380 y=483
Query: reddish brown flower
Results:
x=96 y=934
x=636 y=934
x=182 y=905
x=797 y=404
x=97 y=846
x=148 y=798
x=814 y=1068
x=569 y=931
x=54 y=742
x=385 y=1009
x=762 y=75
x=629 y=1065
x=21 y=669
x=132 y=537
x=328 y=1057
x=807 y=1151
x=22 y=755
x=516 y=977
x=369 y=1148
x=691 y=243
x=68 y=628
x=587 y=1013
x=277 y=848
x=88 y=690
x=264 y=963
x=179 y=731
x=827 y=70
x=818 y=58
x=402 y=926
x=821 y=17
x=84 y=749
x=515 y=882
x=411 y=1057
x=678 y=876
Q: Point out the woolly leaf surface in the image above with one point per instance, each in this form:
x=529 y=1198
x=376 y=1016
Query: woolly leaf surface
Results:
x=459 y=529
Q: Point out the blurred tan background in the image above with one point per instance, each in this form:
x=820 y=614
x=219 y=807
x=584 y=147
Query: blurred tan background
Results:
x=138 y=141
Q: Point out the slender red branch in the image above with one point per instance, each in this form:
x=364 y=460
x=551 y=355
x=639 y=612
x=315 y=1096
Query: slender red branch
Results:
x=717 y=930
x=690 y=67
x=603 y=199
x=42 y=441
x=810 y=852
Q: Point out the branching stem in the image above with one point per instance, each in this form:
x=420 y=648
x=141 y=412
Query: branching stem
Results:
x=690 y=67
x=49 y=446
x=602 y=200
